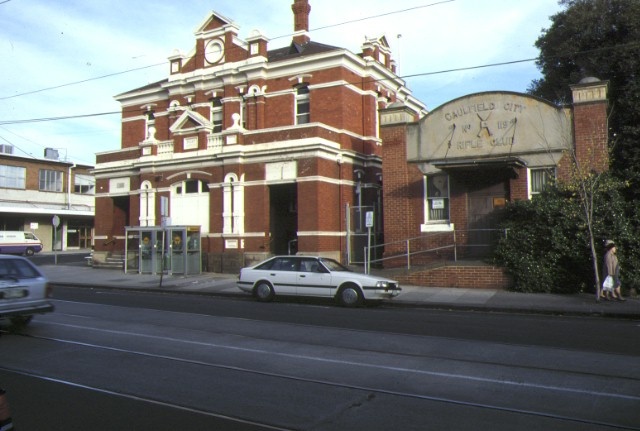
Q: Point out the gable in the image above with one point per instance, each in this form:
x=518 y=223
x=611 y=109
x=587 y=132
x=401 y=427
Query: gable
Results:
x=487 y=126
x=213 y=22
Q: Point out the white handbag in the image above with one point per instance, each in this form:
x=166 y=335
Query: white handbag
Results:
x=607 y=284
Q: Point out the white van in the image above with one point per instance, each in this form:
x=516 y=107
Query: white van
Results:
x=19 y=242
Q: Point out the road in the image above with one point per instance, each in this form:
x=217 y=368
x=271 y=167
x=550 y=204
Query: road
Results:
x=124 y=360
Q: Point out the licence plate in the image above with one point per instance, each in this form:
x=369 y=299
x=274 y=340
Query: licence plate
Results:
x=13 y=293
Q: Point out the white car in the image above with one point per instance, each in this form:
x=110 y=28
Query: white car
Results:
x=313 y=276
x=24 y=290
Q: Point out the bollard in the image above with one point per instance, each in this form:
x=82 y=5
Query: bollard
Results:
x=6 y=423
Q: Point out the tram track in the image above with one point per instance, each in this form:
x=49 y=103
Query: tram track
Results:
x=478 y=379
x=367 y=389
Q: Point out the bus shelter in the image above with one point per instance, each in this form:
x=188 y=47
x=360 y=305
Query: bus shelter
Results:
x=163 y=249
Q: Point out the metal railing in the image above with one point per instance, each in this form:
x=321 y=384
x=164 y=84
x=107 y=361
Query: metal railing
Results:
x=436 y=247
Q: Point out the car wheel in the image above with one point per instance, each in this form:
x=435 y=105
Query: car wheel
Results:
x=350 y=296
x=19 y=321
x=264 y=292
x=28 y=252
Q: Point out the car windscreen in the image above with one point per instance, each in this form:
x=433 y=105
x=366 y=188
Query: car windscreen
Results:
x=334 y=265
x=17 y=268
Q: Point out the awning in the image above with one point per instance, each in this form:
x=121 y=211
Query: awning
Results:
x=484 y=163
x=532 y=160
x=47 y=209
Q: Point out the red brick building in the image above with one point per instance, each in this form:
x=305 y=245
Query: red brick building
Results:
x=447 y=176
x=265 y=150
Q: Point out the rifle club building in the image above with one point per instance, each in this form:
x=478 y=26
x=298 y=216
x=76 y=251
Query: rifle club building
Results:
x=448 y=175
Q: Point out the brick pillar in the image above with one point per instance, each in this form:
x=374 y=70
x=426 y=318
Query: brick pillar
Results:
x=402 y=182
x=590 y=123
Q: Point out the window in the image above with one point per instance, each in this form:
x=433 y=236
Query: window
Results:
x=147 y=204
x=302 y=105
x=12 y=176
x=437 y=205
x=195 y=186
x=233 y=205
x=50 y=181
x=540 y=178
x=84 y=184
x=285 y=264
x=216 y=114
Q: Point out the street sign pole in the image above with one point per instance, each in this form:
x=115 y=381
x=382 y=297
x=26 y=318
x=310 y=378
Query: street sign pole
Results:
x=55 y=222
x=369 y=223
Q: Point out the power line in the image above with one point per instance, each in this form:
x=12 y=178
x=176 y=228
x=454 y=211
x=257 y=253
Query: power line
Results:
x=439 y=72
x=15 y=146
x=65 y=117
x=629 y=45
x=370 y=17
x=165 y=62
x=34 y=143
x=83 y=81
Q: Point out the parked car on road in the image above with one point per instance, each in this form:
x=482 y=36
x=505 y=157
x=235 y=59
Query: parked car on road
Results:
x=313 y=276
x=24 y=290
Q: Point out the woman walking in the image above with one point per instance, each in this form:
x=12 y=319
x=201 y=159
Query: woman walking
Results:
x=611 y=267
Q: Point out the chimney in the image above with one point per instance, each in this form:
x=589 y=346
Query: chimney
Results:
x=301 y=10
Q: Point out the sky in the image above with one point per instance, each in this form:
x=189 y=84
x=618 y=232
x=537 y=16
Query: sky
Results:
x=69 y=58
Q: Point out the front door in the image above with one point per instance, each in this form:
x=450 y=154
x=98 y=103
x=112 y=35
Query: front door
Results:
x=283 y=218
x=485 y=204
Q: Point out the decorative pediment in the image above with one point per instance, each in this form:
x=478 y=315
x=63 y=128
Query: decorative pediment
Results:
x=215 y=23
x=191 y=121
x=383 y=41
x=380 y=41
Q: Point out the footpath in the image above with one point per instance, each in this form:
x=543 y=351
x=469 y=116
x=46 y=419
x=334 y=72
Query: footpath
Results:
x=214 y=284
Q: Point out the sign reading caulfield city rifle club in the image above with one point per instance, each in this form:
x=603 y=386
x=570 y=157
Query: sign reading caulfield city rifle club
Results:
x=490 y=126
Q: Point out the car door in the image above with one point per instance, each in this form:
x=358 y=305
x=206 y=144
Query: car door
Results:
x=283 y=275
x=313 y=280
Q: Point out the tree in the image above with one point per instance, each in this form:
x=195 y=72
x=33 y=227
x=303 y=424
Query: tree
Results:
x=559 y=236
x=598 y=38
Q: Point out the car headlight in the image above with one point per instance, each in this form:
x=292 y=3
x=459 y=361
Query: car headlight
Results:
x=382 y=284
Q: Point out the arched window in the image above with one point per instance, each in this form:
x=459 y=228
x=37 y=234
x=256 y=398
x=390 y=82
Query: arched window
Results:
x=233 y=202
x=147 y=205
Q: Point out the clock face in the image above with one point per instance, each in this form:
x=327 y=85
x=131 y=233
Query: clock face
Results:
x=213 y=51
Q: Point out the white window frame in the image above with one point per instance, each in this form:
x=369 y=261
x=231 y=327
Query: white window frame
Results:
x=530 y=178
x=50 y=180
x=303 y=100
x=13 y=177
x=217 y=115
x=436 y=224
x=84 y=184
